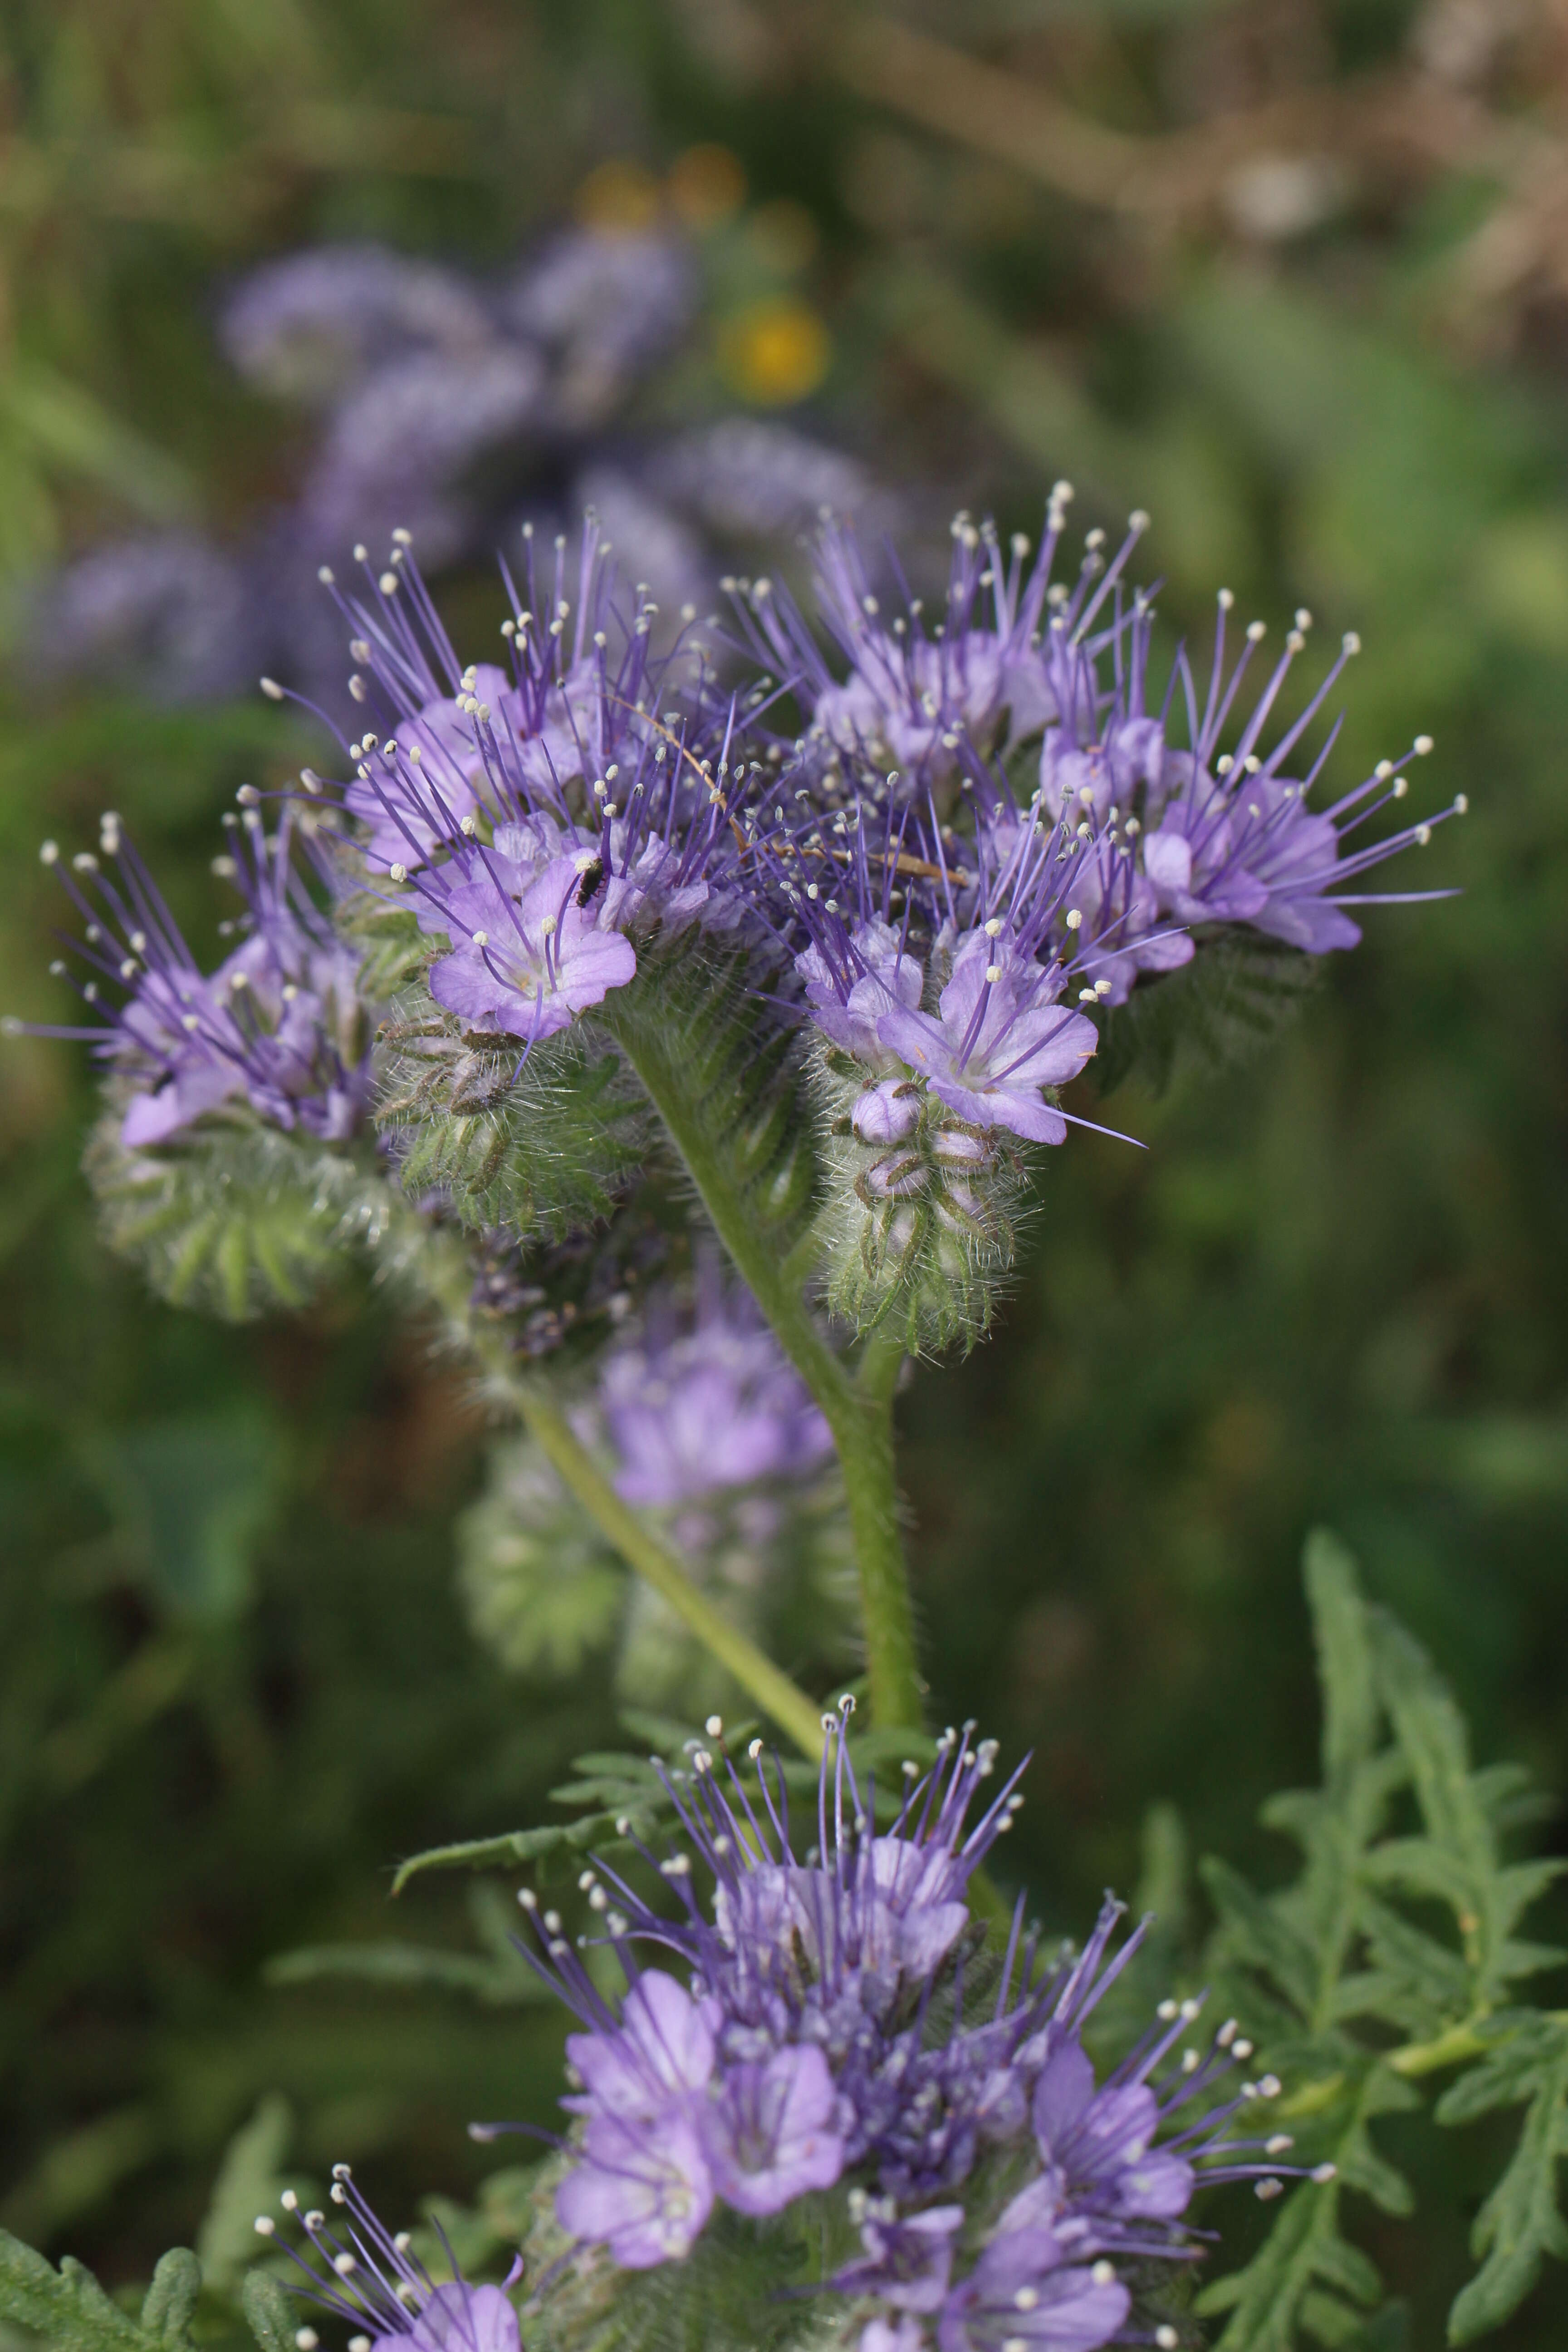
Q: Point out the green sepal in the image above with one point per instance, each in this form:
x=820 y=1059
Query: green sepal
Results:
x=230 y=1217
x=393 y=952
x=544 y=1142
x=917 y=1237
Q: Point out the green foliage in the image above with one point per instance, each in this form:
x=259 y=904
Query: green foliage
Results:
x=918 y=1236
x=1349 y=1945
x=541 y=1144
x=1520 y=2222
x=1240 y=989
x=541 y=1587
x=249 y=2180
x=230 y=1217
x=71 y=2310
x=726 y=1081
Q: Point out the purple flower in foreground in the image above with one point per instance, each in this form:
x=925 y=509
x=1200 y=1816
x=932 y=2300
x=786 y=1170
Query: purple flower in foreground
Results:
x=1000 y=1038
x=695 y=1408
x=1027 y=2291
x=376 y=2283
x=526 y=955
x=277 y=1028
x=806 y=2051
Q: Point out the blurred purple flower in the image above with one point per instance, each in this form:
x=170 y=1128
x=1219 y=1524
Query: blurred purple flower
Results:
x=605 y=306
x=311 y=325
x=694 y=1408
x=168 y=617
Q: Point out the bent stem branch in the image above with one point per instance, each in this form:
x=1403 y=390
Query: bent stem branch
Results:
x=858 y=1412
x=436 y=1265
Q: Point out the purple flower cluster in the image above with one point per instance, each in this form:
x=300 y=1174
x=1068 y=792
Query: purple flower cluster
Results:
x=817 y=2036
x=695 y=1406
x=543 y=819
x=277 y=1029
x=940 y=911
x=375 y=2282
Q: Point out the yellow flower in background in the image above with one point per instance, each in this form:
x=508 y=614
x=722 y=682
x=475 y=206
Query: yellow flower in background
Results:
x=705 y=186
x=620 y=194
x=775 y=351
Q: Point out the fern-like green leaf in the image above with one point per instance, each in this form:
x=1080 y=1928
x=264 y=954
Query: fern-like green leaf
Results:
x=1521 y=2223
x=71 y=2311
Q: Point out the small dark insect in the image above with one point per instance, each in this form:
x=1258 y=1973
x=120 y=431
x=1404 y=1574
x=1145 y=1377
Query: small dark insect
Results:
x=592 y=878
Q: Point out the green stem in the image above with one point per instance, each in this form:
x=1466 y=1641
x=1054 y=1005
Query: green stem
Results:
x=439 y=1265
x=773 y=1691
x=859 y=1413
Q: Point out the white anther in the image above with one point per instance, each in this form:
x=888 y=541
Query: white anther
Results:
x=398 y=873
x=1421 y=746
x=1189 y=2061
x=1226 y=599
x=85 y=862
x=1165 y=2336
x=188 y=1021
x=754 y=1749
x=357 y=687
x=992 y=973
x=1351 y=643
x=326 y=575
x=586 y=1879
x=387 y=583
x=714 y=1726
x=359 y=2344
x=1166 y=2011
x=266 y=2227
x=49 y=853
x=1401 y=786
x=1423 y=835
x=1268 y=2189
x=528 y=1898
x=616 y=1924
x=552 y=1922
x=271 y=689
x=1226 y=2033
x=1086 y=996
x=598 y=1900
x=305 y=2339
x=1190 y=2009
x=1242 y=2050
x=1461 y=803
x=290 y=2203
x=1138 y=519
x=481 y=939
x=1256 y=632
x=361 y=552
x=1103 y=2273
x=1324 y=2172
x=1295 y=642
x=1269 y=2086
x=345 y=2264
x=1073 y=919
x=1224 y=764
x=1280 y=2144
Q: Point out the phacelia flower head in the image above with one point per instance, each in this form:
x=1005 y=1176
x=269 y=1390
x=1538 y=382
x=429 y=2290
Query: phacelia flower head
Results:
x=698 y=1404
x=923 y=694
x=549 y=818
x=815 y=2035
x=363 y=2274
x=277 y=1028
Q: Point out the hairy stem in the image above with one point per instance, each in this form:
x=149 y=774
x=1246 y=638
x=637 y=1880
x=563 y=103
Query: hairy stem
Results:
x=437 y=1265
x=859 y=1413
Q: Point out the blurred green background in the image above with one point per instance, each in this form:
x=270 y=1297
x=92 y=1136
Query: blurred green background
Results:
x=1291 y=273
